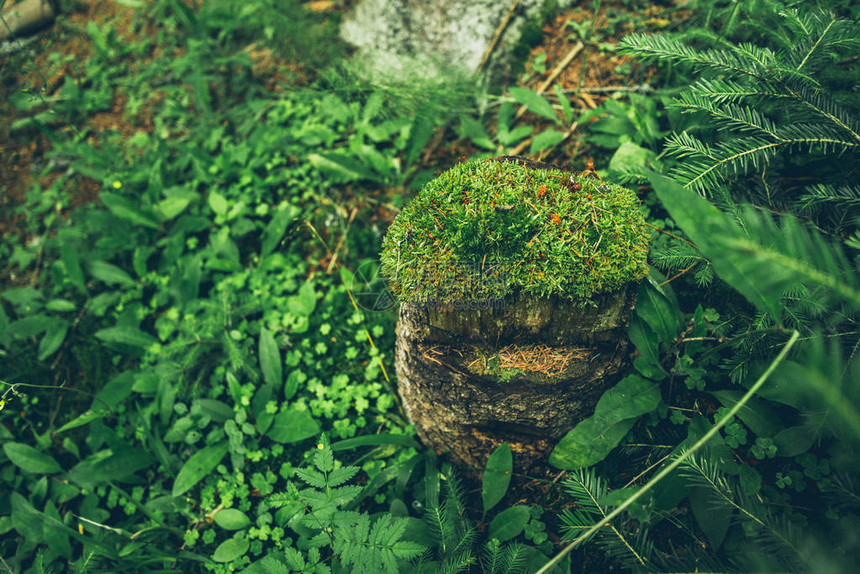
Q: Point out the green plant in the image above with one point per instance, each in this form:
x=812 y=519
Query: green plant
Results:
x=536 y=231
x=774 y=105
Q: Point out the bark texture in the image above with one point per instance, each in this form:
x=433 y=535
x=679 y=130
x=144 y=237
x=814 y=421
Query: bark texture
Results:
x=525 y=372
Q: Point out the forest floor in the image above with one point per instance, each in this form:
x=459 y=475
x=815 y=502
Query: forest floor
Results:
x=588 y=75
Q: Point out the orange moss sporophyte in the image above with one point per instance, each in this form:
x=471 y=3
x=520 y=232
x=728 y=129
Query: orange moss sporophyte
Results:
x=543 y=232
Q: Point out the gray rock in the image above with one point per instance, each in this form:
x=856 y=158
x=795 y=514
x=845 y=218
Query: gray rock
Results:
x=403 y=38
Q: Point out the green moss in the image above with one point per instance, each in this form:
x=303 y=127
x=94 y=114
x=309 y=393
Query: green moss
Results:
x=489 y=229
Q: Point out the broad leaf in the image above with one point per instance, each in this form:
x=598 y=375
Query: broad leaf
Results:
x=69 y=257
x=376 y=440
x=722 y=241
x=231 y=549
x=276 y=228
x=657 y=309
x=546 y=139
x=231 y=519
x=343 y=167
x=124 y=208
x=304 y=303
x=29 y=459
x=535 y=102
x=588 y=443
x=497 y=476
x=509 y=523
x=126 y=336
x=110 y=274
x=616 y=412
x=713 y=522
x=474 y=130
x=293 y=426
x=53 y=339
x=270 y=358
x=201 y=463
x=755 y=413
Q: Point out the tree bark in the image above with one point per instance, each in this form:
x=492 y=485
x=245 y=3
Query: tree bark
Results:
x=524 y=372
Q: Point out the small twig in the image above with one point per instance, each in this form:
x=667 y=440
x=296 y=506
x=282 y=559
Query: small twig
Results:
x=678 y=274
x=497 y=35
x=672 y=235
x=644 y=88
x=646 y=471
x=555 y=73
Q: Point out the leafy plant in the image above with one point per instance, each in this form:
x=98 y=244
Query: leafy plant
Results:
x=772 y=104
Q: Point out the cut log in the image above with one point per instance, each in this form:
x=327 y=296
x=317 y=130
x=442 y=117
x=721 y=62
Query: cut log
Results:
x=524 y=372
x=517 y=280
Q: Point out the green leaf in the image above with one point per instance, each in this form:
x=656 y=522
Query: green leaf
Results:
x=296 y=377
x=643 y=337
x=124 y=208
x=497 y=476
x=631 y=158
x=218 y=411
x=218 y=203
x=105 y=466
x=794 y=440
x=474 y=130
x=79 y=421
x=546 y=139
x=534 y=102
x=566 y=109
x=719 y=238
x=270 y=358
x=231 y=549
x=756 y=413
x=201 y=463
x=750 y=480
x=231 y=519
x=53 y=339
x=588 y=443
x=509 y=523
x=30 y=326
x=60 y=305
x=616 y=412
x=171 y=207
x=69 y=257
x=714 y=522
x=110 y=274
x=658 y=311
x=293 y=426
x=341 y=166
x=304 y=303
x=29 y=459
x=376 y=440
x=126 y=336
x=114 y=392
x=276 y=228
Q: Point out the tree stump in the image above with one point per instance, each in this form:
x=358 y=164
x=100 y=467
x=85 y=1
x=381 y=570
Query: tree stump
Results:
x=486 y=353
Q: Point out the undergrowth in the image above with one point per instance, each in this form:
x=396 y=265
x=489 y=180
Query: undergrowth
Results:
x=190 y=383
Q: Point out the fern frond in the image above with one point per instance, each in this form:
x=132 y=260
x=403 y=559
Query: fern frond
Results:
x=823 y=107
x=456 y=564
x=721 y=91
x=842 y=491
x=777 y=534
x=845 y=199
x=654 y=48
x=587 y=488
x=728 y=116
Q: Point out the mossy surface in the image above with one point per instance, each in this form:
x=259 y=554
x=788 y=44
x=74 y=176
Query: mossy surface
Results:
x=490 y=229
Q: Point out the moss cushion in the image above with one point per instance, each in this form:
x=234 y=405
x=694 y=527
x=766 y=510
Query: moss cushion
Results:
x=494 y=228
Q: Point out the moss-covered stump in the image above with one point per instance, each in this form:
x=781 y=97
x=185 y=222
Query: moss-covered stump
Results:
x=516 y=280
